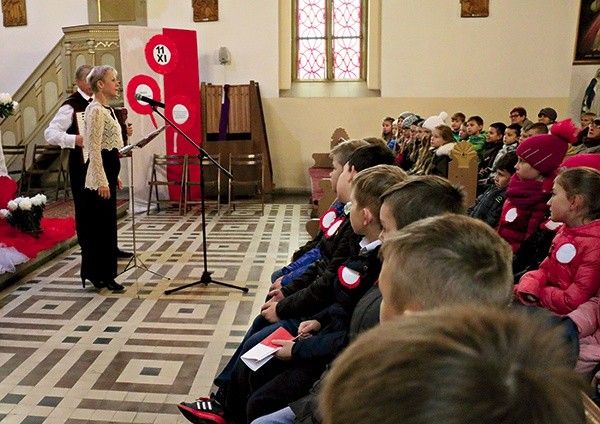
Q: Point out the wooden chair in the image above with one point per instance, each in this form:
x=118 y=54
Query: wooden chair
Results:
x=163 y=167
x=47 y=171
x=212 y=182
x=16 y=157
x=248 y=179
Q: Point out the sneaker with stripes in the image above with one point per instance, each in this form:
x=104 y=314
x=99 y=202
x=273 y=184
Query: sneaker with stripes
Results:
x=203 y=411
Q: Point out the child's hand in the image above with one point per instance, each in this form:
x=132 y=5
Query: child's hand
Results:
x=269 y=312
x=276 y=284
x=275 y=295
x=285 y=353
x=307 y=327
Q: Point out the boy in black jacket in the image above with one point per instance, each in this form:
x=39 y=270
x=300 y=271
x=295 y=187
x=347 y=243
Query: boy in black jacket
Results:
x=323 y=272
x=488 y=206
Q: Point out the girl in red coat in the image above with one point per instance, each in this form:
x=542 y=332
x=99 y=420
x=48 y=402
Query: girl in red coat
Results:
x=570 y=275
x=530 y=187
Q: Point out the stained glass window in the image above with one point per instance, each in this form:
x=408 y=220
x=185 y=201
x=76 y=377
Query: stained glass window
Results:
x=330 y=40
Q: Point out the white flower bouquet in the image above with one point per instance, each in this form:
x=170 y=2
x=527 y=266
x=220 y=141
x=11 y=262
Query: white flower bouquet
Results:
x=25 y=213
x=7 y=105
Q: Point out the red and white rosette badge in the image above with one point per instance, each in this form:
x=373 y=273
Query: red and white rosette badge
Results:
x=146 y=86
x=161 y=54
x=181 y=111
x=327 y=219
x=348 y=277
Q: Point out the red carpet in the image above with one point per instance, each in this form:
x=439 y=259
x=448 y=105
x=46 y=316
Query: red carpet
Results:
x=54 y=231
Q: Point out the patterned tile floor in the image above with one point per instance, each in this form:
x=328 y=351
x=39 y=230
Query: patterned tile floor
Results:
x=74 y=355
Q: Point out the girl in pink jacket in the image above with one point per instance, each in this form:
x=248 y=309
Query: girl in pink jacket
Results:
x=570 y=275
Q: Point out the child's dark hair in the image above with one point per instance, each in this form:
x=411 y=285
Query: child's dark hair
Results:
x=500 y=127
x=515 y=127
x=388 y=119
x=368 y=156
x=507 y=163
x=458 y=116
x=412 y=200
x=585 y=182
x=477 y=119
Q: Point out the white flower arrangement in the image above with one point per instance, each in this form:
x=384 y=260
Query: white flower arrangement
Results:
x=25 y=213
x=7 y=105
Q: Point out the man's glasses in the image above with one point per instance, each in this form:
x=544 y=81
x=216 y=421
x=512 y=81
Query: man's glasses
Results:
x=515 y=116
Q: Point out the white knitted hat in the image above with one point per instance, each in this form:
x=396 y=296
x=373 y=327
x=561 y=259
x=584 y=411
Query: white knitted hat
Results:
x=435 y=121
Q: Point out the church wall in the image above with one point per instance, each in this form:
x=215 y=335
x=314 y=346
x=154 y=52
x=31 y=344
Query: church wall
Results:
x=432 y=60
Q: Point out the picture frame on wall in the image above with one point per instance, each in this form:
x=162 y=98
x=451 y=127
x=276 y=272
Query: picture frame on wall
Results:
x=587 y=44
x=14 y=13
x=474 y=8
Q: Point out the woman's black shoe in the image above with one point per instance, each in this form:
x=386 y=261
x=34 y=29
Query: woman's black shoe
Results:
x=114 y=286
x=97 y=284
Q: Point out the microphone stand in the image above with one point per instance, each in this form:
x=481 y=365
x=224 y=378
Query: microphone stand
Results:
x=206 y=278
x=133 y=262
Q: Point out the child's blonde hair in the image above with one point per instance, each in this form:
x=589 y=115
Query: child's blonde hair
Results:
x=467 y=365
x=369 y=184
x=447 y=259
x=342 y=152
x=585 y=182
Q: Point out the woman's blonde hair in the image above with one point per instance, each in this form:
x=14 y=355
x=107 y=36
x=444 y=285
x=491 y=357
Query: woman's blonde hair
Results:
x=98 y=74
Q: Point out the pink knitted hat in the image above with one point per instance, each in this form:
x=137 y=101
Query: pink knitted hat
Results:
x=591 y=160
x=545 y=152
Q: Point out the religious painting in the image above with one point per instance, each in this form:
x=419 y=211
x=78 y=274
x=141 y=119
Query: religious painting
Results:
x=474 y=8
x=587 y=47
x=205 y=10
x=14 y=13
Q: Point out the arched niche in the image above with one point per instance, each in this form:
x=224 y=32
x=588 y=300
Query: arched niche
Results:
x=29 y=121
x=80 y=60
x=50 y=95
x=108 y=59
x=9 y=138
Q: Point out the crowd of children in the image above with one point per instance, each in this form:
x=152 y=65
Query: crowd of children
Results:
x=399 y=239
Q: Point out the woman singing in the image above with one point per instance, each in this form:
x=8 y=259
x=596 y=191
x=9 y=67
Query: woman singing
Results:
x=102 y=140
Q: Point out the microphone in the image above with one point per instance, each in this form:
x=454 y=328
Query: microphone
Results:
x=148 y=100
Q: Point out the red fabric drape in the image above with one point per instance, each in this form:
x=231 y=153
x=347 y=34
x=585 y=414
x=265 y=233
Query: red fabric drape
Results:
x=55 y=231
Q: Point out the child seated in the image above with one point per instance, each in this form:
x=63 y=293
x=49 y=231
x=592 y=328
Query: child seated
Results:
x=468 y=365
x=312 y=292
x=301 y=362
x=535 y=248
x=570 y=275
x=587 y=118
x=456 y=121
x=425 y=156
x=510 y=141
x=386 y=128
x=476 y=134
x=311 y=251
x=402 y=204
x=529 y=188
x=488 y=206
x=493 y=144
x=442 y=142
